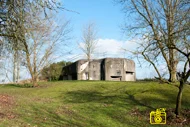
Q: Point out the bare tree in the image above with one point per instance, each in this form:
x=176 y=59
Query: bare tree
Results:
x=17 y=26
x=163 y=26
x=89 y=39
x=159 y=23
x=42 y=37
x=12 y=13
x=12 y=20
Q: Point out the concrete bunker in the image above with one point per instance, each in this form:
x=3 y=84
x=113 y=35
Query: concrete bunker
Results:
x=113 y=69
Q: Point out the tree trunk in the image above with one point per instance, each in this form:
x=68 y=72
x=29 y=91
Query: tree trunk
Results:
x=89 y=70
x=18 y=72
x=34 y=81
x=179 y=98
x=14 y=66
x=34 y=65
x=173 y=77
x=18 y=67
x=173 y=65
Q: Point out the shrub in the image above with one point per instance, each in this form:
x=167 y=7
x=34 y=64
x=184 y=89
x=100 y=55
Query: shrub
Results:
x=53 y=72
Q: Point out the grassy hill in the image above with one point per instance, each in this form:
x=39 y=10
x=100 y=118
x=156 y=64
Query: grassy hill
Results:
x=89 y=104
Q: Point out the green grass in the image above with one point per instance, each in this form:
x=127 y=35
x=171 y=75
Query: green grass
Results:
x=88 y=103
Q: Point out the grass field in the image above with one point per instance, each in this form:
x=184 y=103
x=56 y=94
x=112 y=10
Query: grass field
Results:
x=89 y=104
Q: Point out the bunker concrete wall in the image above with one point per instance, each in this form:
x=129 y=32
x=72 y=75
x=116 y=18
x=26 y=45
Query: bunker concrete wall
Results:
x=89 y=70
x=115 y=69
x=129 y=68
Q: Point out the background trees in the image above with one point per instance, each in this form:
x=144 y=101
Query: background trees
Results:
x=163 y=26
x=27 y=28
x=53 y=72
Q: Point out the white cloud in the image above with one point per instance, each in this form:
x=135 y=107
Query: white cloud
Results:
x=105 y=48
x=114 y=48
x=109 y=46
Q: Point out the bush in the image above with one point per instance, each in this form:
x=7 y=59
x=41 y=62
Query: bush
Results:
x=53 y=72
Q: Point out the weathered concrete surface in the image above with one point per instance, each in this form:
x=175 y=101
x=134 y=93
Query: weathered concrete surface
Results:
x=88 y=70
x=129 y=68
x=114 y=69
x=119 y=69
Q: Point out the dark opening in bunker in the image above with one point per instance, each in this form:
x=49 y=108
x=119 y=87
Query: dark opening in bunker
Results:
x=128 y=72
x=116 y=78
x=86 y=75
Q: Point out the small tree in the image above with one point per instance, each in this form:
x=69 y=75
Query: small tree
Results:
x=89 y=39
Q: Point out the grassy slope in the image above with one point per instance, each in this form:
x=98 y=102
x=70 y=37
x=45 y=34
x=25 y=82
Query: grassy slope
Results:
x=88 y=103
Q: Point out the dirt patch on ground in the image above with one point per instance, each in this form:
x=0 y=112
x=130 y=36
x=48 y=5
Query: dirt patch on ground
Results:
x=184 y=119
x=6 y=104
x=171 y=118
x=6 y=101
